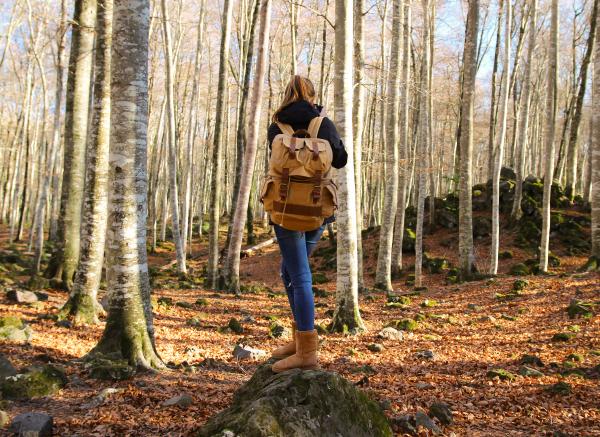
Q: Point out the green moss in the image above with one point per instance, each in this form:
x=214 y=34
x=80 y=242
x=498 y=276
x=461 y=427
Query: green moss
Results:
x=507 y=254
x=235 y=325
x=563 y=336
x=35 y=382
x=109 y=369
x=520 y=285
x=560 y=388
x=404 y=300
x=319 y=278
x=501 y=374
x=201 y=302
x=579 y=308
x=520 y=270
x=11 y=322
x=578 y=358
x=405 y=324
x=429 y=303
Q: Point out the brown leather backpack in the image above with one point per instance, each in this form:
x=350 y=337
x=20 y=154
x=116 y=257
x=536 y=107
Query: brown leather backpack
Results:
x=298 y=191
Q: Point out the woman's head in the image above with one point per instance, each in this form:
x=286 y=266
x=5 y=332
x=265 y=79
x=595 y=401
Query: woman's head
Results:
x=299 y=88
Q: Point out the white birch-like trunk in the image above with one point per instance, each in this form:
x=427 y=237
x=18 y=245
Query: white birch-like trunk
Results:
x=232 y=273
x=172 y=141
x=499 y=150
x=404 y=144
x=523 y=134
x=549 y=133
x=383 y=274
x=129 y=330
x=465 y=210
x=347 y=315
x=422 y=145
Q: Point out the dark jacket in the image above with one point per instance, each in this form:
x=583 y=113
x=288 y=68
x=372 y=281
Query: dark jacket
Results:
x=298 y=115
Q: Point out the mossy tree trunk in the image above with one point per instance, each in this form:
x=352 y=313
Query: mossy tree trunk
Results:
x=347 y=315
x=129 y=330
x=82 y=304
x=64 y=260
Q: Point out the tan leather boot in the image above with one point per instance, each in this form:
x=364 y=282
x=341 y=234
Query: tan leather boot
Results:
x=287 y=349
x=305 y=357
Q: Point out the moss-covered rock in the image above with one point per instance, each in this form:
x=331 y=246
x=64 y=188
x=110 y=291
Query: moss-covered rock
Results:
x=109 y=369
x=501 y=374
x=36 y=381
x=560 y=388
x=482 y=227
x=12 y=328
x=520 y=269
x=531 y=360
x=409 y=240
x=520 y=285
x=579 y=308
x=404 y=324
x=403 y=300
x=319 y=278
x=235 y=325
x=298 y=403
x=563 y=336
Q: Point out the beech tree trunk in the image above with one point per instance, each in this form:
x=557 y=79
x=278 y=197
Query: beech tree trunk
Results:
x=465 y=210
x=346 y=316
x=64 y=263
x=523 y=134
x=212 y=272
x=549 y=133
x=129 y=330
x=82 y=304
x=172 y=140
x=232 y=267
x=383 y=274
x=595 y=156
x=499 y=153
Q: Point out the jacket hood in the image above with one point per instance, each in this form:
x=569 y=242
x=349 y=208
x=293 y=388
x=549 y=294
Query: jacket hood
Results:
x=299 y=113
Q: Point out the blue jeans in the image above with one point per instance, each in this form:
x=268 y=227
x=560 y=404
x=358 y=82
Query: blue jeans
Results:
x=295 y=247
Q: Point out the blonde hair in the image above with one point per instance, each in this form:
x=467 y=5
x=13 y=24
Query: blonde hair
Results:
x=299 y=88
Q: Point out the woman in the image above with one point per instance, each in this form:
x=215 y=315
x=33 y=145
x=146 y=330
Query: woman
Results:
x=297 y=109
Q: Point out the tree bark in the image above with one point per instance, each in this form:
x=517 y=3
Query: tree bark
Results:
x=212 y=272
x=550 y=127
x=129 y=330
x=347 y=315
x=465 y=211
x=64 y=263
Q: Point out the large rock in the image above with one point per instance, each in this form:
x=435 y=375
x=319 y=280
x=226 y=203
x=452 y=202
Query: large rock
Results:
x=13 y=329
x=21 y=296
x=37 y=381
x=298 y=403
x=32 y=425
x=6 y=368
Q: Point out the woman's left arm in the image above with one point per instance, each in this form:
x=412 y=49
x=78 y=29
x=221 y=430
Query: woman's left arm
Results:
x=329 y=132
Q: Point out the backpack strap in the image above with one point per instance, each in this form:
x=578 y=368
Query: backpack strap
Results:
x=314 y=126
x=286 y=128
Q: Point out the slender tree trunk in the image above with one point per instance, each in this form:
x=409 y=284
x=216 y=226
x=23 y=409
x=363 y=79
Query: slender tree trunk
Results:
x=347 y=315
x=465 y=210
x=551 y=110
x=499 y=155
x=595 y=156
x=383 y=275
x=82 y=304
x=422 y=145
x=62 y=266
x=172 y=140
x=232 y=271
x=571 y=162
x=358 y=121
x=129 y=330
x=212 y=273
x=523 y=136
x=403 y=145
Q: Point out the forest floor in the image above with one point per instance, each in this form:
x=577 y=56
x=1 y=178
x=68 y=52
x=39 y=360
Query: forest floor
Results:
x=468 y=328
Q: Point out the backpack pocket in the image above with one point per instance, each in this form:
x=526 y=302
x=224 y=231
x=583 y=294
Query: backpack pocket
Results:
x=329 y=199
